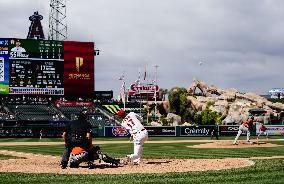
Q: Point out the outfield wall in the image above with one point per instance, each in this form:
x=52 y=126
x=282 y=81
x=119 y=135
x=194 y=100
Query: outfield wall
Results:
x=55 y=130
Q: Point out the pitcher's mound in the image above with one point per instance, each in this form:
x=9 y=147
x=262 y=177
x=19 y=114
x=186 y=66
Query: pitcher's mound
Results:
x=229 y=144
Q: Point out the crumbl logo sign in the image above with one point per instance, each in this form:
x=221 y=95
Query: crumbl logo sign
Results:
x=193 y=131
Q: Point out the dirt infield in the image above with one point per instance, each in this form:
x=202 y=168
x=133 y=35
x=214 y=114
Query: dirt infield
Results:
x=229 y=144
x=36 y=163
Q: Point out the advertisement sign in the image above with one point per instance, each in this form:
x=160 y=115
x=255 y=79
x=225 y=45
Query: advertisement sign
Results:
x=116 y=131
x=36 y=67
x=229 y=129
x=129 y=107
x=161 y=131
x=119 y=131
x=103 y=95
x=196 y=130
x=72 y=103
x=30 y=131
x=277 y=93
x=78 y=67
x=4 y=66
x=144 y=91
x=272 y=129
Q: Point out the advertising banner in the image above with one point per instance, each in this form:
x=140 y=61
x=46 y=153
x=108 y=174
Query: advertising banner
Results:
x=144 y=91
x=272 y=129
x=4 y=66
x=72 y=103
x=36 y=67
x=129 y=107
x=161 y=131
x=196 y=130
x=30 y=131
x=116 y=131
x=229 y=129
x=79 y=68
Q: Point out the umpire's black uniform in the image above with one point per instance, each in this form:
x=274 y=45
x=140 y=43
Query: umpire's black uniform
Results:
x=75 y=134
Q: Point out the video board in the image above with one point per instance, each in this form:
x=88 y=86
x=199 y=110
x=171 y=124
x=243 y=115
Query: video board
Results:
x=78 y=67
x=36 y=67
x=4 y=66
x=46 y=67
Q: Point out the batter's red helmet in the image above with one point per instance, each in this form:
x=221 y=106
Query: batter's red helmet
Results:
x=121 y=113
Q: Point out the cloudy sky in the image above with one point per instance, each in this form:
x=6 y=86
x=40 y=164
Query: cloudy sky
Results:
x=228 y=43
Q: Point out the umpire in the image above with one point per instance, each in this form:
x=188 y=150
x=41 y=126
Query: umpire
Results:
x=78 y=133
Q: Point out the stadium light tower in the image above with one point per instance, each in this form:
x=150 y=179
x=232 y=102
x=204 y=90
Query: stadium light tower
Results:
x=155 y=95
x=57 y=20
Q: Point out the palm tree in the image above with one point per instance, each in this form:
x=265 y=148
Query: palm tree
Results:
x=164 y=93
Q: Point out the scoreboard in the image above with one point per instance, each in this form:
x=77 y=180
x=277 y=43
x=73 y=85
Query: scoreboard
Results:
x=37 y=67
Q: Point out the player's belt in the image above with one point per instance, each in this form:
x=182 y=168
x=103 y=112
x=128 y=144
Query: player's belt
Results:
x=139 y=131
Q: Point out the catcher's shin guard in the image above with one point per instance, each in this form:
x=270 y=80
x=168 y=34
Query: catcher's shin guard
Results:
x=104 y=157
x=109 y=159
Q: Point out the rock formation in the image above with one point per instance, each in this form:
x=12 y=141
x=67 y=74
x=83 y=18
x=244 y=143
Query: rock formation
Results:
x=231 y=103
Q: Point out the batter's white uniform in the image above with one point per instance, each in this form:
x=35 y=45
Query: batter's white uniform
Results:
x=132 y=123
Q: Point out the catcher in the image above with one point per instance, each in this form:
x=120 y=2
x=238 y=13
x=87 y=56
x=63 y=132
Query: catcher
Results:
x=79 y=155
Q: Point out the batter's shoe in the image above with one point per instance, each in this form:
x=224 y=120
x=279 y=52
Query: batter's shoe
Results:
x=136 y=162
x=249 y=142
x=235 y=143
x=128 y=158
x=122 y=162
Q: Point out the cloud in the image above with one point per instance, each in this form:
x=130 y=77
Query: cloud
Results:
x=239 y=42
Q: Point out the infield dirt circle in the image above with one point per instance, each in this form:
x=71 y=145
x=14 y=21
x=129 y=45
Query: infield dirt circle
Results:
x=36 y=163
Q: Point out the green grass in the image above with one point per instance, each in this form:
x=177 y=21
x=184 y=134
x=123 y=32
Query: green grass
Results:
x=125 y=138
x=264 y=171
x=5 y=157
x=31 y=140
x=165 y=150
